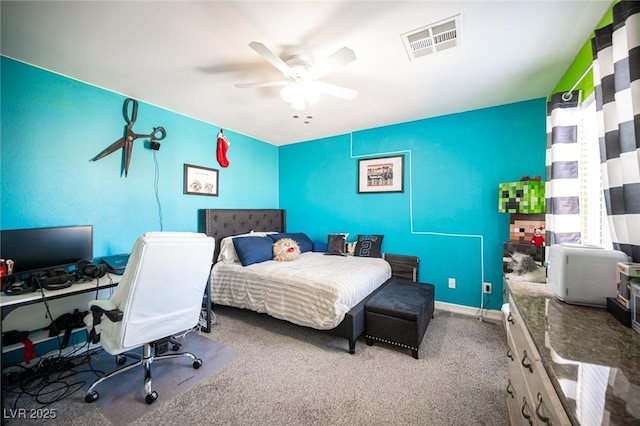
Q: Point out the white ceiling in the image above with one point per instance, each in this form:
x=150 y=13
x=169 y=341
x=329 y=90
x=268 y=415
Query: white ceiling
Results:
x=186 y=56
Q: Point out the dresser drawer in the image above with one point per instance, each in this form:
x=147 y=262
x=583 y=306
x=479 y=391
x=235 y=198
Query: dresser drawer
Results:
x=519 y=401
x=547 y=405
x=524 y=346
x=535 y=399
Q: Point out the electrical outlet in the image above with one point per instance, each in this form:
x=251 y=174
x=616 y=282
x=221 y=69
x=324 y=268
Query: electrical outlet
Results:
x=452 y=283
x=486 y=288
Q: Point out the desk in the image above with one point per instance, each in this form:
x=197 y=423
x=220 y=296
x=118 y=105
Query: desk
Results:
x=9 y=303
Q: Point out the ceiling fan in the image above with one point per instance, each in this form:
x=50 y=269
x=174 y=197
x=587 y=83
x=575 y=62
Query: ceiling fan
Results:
x=300 y=83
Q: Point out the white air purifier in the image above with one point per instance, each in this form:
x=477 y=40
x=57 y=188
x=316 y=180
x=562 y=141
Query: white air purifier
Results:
x=583 y=275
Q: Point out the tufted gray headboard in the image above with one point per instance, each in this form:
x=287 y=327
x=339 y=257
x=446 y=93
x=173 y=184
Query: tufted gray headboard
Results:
x=220 y=223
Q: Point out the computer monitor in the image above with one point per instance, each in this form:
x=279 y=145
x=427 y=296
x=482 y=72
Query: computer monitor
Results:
x=37 y=249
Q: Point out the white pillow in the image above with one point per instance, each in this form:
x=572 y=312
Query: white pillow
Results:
x=228 y=251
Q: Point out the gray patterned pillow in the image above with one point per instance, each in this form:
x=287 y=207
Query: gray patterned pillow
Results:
x=337 y=244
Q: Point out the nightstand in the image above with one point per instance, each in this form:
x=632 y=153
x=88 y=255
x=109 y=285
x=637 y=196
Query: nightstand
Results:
x=403 y=266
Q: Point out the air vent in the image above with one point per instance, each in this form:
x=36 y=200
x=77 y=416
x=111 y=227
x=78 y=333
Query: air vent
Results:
x=433 y=38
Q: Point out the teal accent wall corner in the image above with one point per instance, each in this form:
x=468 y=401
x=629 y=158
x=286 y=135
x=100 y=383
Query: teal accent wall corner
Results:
x=448 y=213
x=52 y=126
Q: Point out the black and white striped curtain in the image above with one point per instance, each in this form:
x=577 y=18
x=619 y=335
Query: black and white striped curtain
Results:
x=616 y=73
x=562 y=188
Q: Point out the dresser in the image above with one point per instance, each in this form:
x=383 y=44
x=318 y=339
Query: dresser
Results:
x=568 y=365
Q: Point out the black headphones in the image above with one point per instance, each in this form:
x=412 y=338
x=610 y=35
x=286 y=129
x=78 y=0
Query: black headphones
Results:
x=53 y=279
x=86 y=269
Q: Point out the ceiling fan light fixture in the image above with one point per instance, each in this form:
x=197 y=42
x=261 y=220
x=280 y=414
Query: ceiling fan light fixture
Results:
x=289 y=93
x=298 y=94
x=312 y=92
x=298 y=105
x=293 y=94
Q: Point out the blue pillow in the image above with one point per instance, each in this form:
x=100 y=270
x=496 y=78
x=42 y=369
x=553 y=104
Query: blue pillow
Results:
x=252 y=250
x=319 y=246
x=304 y=242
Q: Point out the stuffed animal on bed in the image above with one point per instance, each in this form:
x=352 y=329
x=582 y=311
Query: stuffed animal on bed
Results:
x=286 y=249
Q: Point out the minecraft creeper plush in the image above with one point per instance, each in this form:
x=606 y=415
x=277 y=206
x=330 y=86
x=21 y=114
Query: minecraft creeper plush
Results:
x=521 y=197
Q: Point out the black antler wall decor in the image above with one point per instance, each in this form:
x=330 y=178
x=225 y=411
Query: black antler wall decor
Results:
x=126 y=142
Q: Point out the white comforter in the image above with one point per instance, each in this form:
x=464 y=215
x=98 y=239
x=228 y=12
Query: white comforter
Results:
x=315 y=290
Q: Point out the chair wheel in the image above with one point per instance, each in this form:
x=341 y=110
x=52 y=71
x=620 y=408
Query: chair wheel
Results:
x=176 y=347
x=91 y=397
x=121 y=359
x=150 y=398
x=197 y=363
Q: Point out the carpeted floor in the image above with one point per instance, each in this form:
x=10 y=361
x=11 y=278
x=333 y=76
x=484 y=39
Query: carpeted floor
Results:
x=59 y=397
x=122 y=398
x=290 y=375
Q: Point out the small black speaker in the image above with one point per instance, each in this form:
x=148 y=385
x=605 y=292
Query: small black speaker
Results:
x=12 y=287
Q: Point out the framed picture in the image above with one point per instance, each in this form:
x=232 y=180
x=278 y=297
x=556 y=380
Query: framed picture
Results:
x=382 y=174
x=200 y=180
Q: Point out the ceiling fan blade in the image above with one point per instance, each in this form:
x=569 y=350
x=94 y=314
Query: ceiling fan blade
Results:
x=335 y=90
x=261 y=84
x=332 y=62
x=266 y=53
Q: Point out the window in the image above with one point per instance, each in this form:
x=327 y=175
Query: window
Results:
x=595 y=229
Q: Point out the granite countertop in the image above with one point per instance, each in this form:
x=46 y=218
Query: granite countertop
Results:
x=592 y=359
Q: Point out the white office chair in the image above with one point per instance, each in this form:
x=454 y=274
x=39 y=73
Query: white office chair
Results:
x=160 y=295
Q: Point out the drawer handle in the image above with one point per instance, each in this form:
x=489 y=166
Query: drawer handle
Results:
x=510 y=318
x=509 y=354
x=541 y=417
x=524 y=414
x=526 y=364
x=510 y=389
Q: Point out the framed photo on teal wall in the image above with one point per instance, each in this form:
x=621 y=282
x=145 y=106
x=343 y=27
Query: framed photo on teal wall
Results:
x=200 y=180
x=381 y=174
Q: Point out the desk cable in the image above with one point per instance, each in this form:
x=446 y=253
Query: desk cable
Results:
x=50 y=380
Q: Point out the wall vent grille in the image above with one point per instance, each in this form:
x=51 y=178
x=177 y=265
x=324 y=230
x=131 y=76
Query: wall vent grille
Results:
x=433 y=38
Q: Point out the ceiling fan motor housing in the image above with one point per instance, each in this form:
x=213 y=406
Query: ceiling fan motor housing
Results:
x=298 y=68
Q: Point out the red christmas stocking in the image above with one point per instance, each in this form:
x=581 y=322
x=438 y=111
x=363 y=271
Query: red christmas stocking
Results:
x=223 y=147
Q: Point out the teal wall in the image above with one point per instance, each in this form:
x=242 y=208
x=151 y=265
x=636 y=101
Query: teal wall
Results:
x=448 y=212
x=447 y=215
x=52 y=126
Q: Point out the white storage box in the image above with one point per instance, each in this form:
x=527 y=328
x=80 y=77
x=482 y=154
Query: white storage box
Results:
x=583 y=275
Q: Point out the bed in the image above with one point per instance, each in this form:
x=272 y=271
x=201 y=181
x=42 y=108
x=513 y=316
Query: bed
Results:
x=330 y=296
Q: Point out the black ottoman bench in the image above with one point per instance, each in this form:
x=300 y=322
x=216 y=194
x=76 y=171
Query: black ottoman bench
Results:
x=399 y=314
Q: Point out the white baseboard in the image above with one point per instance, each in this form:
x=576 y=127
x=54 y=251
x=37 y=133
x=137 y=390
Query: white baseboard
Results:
x=491 y=315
